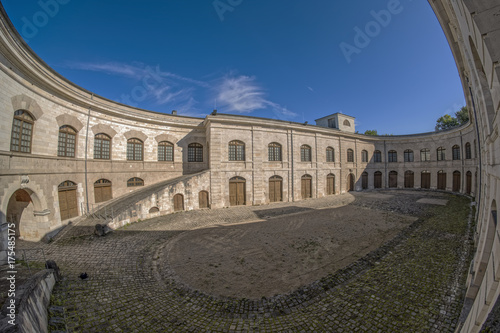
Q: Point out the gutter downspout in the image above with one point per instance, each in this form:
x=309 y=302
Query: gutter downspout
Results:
x=86 y=157
x=291 y=155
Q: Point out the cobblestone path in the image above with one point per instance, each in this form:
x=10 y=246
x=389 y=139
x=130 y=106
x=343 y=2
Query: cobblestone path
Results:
x=414 y=283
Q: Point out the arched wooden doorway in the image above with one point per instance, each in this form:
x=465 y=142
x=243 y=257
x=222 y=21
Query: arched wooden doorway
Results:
x=275 y=189
x=306 y=186
x=237 y=188
x=203 y=200
x=409 y=179
x=330 y=184
x=441 y=185
x=456 y=181
x=425 y=180
x=178 y=202
x=68 y=204
x=102 y=190
x=377 y=179
x=393 y=179
x=18 y=210
x=468 y=187
x=364 y=181
x=350 y=182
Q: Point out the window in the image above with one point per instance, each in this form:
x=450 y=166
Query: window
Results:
x=305 y=153
x=195 y=152
x=408 y=155
x=441 y=154
x=377 y=156
x=22 y=129
x=165 y=151
x=393 y=156
x=330 y=154
x=102 y=144
x=347 y=123
x=475 y=149
x=134 y=182
x=455 y=150
x=364 y=156
x=134 y=150
x=236 y=151
x=67 y=139
x=274 y=152
x=331 y=123
x=350 y=156
x=468 y=154
x=425 y=155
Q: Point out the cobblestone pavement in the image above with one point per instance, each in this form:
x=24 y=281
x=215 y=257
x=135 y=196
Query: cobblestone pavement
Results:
x=414 y=283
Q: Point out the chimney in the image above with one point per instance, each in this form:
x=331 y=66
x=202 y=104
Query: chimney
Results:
x=174 y=112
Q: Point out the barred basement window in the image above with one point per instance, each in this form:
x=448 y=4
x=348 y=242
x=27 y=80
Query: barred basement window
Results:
x=165 y=151
x=22 y=130
x=330 y=154
x=102 y=145
x=408 y=155
x=274 y=152
x=305 y=153
x=468 y=154
x=455 y=150
x=364 y=156
x=134 y=182
x=195 y=152
x=377 y=156
x=350 y=155
x=236 y=151
x=425 y=155
x=134 y=150
x=393 y=156
x=441 y=154
x=67 y=139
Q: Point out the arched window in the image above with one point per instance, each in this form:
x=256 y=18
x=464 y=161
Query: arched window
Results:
x=67 y=140
x=274 y=152
x=134 y=182
x=377 y=156
x=236 y=151
x=22 y=131
x=393 y=156
x=468 y=154
x=305 y=153
x=330 y=154
x=364 y=156
x=195 y=152
x=134 y=149
x=165 y=151
x=102 y=147
x=425 y=155
x=455 y=152
x=441 y=154
x=350 y=155
x=347 y=123
x=409 y=155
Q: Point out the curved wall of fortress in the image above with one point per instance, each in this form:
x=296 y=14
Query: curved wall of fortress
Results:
x=34 y=185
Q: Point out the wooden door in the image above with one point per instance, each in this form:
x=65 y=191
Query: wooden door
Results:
x=393 y=179
x=203 y=199
x=306 y=187
x=68 y=203
x=441 y=181
x=409 y=179
x=275 y=189
x=377 y=180
x=102 y=191
x=469 y=182
x=364 y=180
x=456 y=181
x=330 y=184
x=237 y=191
x=425 y=180
x=178 y=202
x=350 y=182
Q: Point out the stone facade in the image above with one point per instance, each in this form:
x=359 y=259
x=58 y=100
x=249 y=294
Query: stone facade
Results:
x=28 y=84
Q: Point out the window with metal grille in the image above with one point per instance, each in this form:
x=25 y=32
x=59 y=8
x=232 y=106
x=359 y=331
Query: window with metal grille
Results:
x=305 y=153
x=67 y=140
x=274 y=152
x=134 y=150
x=22 y=130
x=441 y=154
x=165 y=151
x=102 y=147
x=392 y=156
x=425 y=155
x=330 y=154
x=236 y=151
x=455 y=151
x=377 y=156
x=468 y=154
x=134 y=182
x=195 y=152
x=364 y=156
x=347 y=123
x=408 y=155
x=350 y=155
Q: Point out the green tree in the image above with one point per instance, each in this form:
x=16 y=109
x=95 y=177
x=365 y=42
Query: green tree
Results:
x=371 y=132
x=447 y=121
x=462 y=115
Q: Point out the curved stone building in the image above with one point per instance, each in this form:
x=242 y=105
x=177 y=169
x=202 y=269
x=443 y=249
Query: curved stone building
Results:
x=65 y=151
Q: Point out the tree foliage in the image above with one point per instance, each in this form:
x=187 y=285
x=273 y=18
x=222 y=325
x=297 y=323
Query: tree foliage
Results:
x=447 y=121
x=371 y=132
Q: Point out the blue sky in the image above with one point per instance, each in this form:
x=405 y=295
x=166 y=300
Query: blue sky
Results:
x=292 y=60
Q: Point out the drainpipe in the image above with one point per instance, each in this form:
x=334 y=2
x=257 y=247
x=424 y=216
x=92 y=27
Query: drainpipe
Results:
x=291 y=158
x=86 y=157
x=386 y=178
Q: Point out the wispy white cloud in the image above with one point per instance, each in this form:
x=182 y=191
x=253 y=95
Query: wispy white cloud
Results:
x=242 y=94
x=310 y=89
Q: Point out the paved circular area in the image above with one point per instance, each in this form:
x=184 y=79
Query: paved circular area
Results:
x=413 y=283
